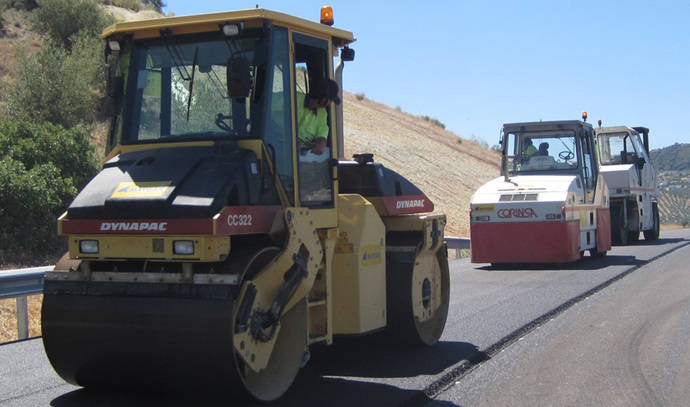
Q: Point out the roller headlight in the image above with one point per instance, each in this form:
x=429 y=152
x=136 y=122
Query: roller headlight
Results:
x=88 y=246
x=185 y=247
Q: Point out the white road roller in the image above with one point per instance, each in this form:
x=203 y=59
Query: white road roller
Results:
x=632 y=180
x=550 y=204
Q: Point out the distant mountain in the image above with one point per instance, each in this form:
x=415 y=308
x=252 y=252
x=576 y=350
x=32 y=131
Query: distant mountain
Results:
x=671 y=158
x=673 y=165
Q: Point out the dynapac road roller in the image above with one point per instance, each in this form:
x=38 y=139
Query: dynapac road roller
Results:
x=211 y=251
x=550 y=204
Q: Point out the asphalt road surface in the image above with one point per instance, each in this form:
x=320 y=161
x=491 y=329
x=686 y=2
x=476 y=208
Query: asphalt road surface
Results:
x=628 y=345
x=609 y=331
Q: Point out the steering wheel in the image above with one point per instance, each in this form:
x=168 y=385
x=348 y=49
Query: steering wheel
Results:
x=220 y=122
x=566 y=155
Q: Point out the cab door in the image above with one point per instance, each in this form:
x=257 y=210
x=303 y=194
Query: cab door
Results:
x=315 y=184
x=589 y=170
x=647 y=182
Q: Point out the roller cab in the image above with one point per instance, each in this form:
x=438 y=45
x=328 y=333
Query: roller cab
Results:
x=214 y=247
x=550 y=204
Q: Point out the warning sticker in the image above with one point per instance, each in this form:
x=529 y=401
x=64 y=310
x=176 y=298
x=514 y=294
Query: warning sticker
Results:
x=141 y=189
x=483 y=208
x=370 y=255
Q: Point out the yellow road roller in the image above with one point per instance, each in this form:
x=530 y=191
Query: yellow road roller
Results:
x=216 y=245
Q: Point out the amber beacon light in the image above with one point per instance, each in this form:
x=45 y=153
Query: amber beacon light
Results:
x=584 y=116
x=327 y=15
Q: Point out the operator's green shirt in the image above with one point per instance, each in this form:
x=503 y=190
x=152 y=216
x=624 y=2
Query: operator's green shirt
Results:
x=530 y=151
x=310 y=126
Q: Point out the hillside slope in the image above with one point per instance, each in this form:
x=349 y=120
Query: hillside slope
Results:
x=673 y=165
x=671 y=158
x=448 y=169
x=16 y=35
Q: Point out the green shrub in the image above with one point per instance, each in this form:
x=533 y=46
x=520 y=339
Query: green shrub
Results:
x=35 y=144
x=19 y=4
x=359 y=96
x=479 y=141
x=58 y=86
x=30 y=202
x=41 y=169
x=434 y=121
x=65 y=20
x=155 y=4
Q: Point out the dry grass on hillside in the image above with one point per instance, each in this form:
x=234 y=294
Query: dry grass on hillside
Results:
x=122 y=14
x=8 y=319
x=448 y=169
x=17 y=36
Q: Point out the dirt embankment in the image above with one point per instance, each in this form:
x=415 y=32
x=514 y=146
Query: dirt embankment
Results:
x=15 y=36
x=123 y=14
x=447 y=168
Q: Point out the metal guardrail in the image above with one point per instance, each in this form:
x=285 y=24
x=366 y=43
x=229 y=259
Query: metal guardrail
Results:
x=23 y=282
x=19 y=284
x=457 y=242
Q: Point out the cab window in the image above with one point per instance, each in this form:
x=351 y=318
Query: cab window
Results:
x=278 y=131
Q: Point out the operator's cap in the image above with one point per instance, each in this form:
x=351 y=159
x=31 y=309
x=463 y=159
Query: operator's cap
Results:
x=325 y=89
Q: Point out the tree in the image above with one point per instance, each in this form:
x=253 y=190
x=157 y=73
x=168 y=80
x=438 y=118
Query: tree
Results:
x=58 y=86
x=19 y=4
x=65 y=20
x=157 y=4
x=41 y=168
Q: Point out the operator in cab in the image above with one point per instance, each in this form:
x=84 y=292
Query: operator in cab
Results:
x=528 y=148
x=312 y=119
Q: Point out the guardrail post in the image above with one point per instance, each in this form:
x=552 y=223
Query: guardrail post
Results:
x=19 y=284
x=457 y=243
x=22 y=317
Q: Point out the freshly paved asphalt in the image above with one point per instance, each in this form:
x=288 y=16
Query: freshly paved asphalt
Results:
x=493 y=313
x=628 y=345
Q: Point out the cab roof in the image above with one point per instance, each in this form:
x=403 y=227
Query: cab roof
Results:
x=211 y=22
x=616 y=129
x=545 y=125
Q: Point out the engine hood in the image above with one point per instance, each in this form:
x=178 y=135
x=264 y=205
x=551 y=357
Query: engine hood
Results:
x=547 y=187
x=164 y=183
x=619 y=176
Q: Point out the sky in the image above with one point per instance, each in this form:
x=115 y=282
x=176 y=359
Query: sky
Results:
x=475 y=65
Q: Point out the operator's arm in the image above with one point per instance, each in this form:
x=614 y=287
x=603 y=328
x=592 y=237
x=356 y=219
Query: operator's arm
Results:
x=321 y=132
